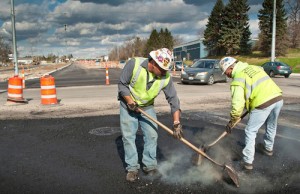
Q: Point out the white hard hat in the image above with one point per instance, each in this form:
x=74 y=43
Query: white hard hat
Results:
x=162 y=57
x=226 y=62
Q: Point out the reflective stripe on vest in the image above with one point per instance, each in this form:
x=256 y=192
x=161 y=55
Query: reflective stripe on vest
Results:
x=258 y=86
x=250 y=88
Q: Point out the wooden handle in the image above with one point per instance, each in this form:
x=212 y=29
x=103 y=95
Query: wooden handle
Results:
x=225 y=132
x=181 y=139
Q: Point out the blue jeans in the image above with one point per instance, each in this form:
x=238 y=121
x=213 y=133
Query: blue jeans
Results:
x=258 y=117
x=130 y=121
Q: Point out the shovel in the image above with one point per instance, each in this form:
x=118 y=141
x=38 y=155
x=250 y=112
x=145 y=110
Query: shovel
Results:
x=231 y=172
x=198 y=158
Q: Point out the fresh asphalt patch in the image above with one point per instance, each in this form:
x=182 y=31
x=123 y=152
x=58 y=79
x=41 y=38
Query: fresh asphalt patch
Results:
x=86 y=155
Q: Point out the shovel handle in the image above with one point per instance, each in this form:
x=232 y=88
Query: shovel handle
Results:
x=181 y=139
x=225 y=132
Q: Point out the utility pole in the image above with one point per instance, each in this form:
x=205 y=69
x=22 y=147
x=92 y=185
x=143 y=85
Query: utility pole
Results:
x=66 y=46
x=273 y=33
x=14 y=37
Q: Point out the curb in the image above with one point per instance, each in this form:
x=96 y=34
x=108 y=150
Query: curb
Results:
x=295 y=74
x=48 y=73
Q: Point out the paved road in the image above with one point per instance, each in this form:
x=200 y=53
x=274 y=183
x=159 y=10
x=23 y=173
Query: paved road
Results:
x=75 y=75
x=84 y=154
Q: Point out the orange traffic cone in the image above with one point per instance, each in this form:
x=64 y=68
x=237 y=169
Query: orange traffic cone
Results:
x=23 y=78
x=174 y=70
x=106 y=75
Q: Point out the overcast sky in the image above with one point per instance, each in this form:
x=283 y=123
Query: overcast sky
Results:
x=94 y=27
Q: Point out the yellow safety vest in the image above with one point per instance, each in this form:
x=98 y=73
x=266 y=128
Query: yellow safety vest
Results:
x=138 y=84
x=258 y=86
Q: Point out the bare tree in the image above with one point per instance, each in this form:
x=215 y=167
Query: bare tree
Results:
x=4 y=50
x=294 y=22
x=132 y=47
x=177 y=40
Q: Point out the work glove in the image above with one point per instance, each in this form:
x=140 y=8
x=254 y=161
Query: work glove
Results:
x=229 y=127
x=133 y=106
x=177 y=131
x=231 y=124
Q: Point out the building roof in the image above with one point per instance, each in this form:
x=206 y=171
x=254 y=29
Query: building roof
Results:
x=189 y=43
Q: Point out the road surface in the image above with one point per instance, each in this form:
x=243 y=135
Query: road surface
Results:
x=76 y=146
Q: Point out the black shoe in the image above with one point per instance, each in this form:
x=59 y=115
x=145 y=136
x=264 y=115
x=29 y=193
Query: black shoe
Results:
x=132 y=176
x=261 y=148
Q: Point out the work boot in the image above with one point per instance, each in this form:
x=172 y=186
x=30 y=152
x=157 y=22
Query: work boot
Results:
x=247 y=166
x=153 y=173
x=261 y=148
x=132 y=176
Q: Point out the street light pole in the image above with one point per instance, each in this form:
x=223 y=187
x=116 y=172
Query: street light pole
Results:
x=14 y=37
x=273 y=33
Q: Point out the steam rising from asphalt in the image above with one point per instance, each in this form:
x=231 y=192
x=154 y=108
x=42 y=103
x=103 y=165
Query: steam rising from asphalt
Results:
x=179 y=169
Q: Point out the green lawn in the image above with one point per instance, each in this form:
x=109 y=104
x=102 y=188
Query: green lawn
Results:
x=292 y=59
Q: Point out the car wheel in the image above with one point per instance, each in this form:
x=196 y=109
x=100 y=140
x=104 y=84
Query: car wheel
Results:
x=286 y=76
x=183 y=82
x=271 y=74
x=211 y=80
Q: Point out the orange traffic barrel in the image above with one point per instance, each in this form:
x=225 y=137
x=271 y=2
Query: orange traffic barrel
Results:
x=15 y=89
x=106 y=76
x=23 y=78
x=48 y=90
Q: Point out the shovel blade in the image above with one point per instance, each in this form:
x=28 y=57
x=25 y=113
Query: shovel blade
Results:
x=233 y=175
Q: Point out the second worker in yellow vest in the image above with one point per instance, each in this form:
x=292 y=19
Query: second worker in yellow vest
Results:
x=253 y=89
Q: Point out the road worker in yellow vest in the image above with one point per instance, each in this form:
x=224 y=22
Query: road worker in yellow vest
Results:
x=253 y=89
x=141 y=80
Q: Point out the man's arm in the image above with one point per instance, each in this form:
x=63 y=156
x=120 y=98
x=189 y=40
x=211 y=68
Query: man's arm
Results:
x=124 y=81
x=237 y=102
x=237 y=106
x=173 y=100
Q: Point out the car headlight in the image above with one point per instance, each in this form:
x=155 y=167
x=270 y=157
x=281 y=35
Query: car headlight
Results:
x=183 y=73
x=202 y=73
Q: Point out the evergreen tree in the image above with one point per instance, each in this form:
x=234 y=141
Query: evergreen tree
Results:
x=212 y=31
x=245 y=45
x=265 y=17
x=153 y=42
x=230 y=32
x=163 y=39
x=166 y=39
x=235 y=28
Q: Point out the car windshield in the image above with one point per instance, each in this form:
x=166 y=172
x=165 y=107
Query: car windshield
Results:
x=203 y=64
